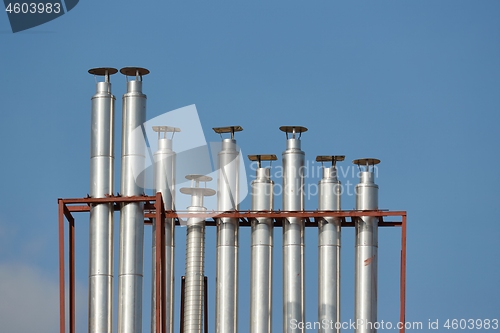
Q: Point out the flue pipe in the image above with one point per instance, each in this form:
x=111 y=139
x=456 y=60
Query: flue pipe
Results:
x=164 y=182
x=293 y=231
x=226 y=312
x=329 y=195
x=131 y=266
x=262 y=248
x=101 y=215
x=365 y=306
x=195 y=256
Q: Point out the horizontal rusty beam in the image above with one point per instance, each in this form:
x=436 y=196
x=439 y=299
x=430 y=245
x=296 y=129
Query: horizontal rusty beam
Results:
x=285 y=214
x=110 y=199
x=245 y=217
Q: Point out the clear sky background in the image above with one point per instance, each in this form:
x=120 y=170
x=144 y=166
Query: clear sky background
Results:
x=413 y=83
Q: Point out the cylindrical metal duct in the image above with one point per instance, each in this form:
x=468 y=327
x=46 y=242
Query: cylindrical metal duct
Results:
x=132 y=214
x=195 y=256
x=329 y=248
x=293 y=231
x=101 y=215
x=164 y=182
x=365 y=307
x=226 y=311
x=262 y=249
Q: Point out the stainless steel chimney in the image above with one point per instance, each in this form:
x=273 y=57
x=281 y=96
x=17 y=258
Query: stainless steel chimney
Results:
x=164 y=182
x=226 y=312
x=262 y=248
x=101 y=215
x=195 y=256
x=365 y=308
x=293 y=231
x=329 y=247
x=132 y=214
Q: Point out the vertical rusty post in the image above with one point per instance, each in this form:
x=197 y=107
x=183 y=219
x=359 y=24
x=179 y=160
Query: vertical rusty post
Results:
x=158 y=262
x=402 y=291
x=62 y=305
x=205 y=320
x=183 y=289
x=71 y=275
x=163 y=276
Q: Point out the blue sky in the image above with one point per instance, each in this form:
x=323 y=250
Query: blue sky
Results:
x=413 y=83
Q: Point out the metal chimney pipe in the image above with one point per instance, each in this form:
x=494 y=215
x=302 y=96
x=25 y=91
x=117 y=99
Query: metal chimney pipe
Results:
x=131 y=214
x=226 y=313
x=164 y=182
x=262 y=249
x=365 y=308
x=195 y=256
x=329 y=247
x=101 y=215
x=293 y=231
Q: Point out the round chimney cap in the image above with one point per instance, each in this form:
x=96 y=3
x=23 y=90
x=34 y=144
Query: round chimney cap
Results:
x=166 y=129
x=101 y=71
x=200 y=178
x=330 y=158
x=227 y=129
x=366 y=161
x=133 y=71
x=270 y=157
x=290 y=129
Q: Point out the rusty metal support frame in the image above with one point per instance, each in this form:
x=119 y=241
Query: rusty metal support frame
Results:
x=66 y=208
x=154 y=209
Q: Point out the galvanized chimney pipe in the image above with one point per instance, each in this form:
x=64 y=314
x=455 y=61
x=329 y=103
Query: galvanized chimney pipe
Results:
x=329 y=195
x=226 y=312
x=365 y=308
x=132 y=214
x=164 y=182
x=101 y=215
x=293 y=231
x=195 y=256
x=262 y=249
